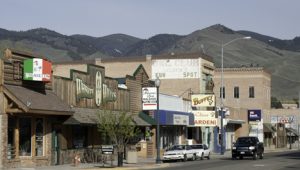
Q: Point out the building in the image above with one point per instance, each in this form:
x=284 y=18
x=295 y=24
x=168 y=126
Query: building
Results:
x=29 y=110
x=181 y=75
x=246 y=98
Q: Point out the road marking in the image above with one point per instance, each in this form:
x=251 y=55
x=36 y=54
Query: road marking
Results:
x=258 y=165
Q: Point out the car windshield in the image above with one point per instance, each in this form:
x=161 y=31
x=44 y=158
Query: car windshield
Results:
x=246 y=140
x=177 y=147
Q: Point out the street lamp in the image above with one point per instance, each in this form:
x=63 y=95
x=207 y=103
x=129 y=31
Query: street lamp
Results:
x=157 y=84
x=222 y=88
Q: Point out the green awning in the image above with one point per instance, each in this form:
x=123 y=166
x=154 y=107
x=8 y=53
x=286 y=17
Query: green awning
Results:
x=147 y=118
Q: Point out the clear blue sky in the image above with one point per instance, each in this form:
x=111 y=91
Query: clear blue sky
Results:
x=146 y=18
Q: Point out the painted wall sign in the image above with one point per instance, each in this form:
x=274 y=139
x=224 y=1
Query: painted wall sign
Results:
x=201 y=100
x=98 y=91
x=108 y=94
x=282 y=119
x=37 y=69
x=83 y=91
x=176 y=69
x=254 y=115
x=101 y=92
x=149 y=98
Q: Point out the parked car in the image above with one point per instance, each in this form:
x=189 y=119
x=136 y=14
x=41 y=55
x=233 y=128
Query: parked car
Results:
x=247 y=146
x=201 y=150
x=179 y=152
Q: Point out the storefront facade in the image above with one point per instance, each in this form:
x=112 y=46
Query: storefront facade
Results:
x=29 y=110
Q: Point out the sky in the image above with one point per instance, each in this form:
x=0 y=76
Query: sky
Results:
x=146 y=18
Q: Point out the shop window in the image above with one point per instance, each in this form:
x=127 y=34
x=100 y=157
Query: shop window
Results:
x=25 y=136
x=39 y=136
x=11 y=137
x=79 y=134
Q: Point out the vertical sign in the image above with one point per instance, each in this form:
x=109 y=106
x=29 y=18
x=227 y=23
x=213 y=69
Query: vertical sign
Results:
x=149 y=98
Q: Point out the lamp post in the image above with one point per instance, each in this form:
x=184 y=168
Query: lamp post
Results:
x=222 y=88
x=157 y=84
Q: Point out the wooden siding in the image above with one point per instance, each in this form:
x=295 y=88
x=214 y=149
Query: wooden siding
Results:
x=65 y=88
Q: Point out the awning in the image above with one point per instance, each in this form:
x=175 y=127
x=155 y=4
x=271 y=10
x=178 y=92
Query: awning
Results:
x=291 y=132
x=88 y=116
x=268 y=128
x=35 y=101
x=235 y=121
x=147 y=118
x=169 y=117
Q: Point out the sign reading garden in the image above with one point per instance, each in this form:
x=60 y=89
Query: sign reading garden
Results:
x=37 y=69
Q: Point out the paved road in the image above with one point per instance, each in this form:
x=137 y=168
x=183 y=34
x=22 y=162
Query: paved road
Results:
x=271 y=161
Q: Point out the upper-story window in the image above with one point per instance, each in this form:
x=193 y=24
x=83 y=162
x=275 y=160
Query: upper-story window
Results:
x=251 y=92
x=236 y=92
x=222 y=92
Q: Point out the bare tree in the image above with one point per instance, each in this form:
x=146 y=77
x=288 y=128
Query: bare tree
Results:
x=120 y=128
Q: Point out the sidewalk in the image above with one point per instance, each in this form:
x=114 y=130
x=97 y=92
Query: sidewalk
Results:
x=143 y=163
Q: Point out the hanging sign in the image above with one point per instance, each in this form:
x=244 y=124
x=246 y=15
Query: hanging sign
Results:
x=149 y=98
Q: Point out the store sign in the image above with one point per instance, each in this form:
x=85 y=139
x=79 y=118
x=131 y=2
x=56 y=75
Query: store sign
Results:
x=37 y=69
x=180 y=119
x=205 y=118
x=149 y=98
x=100 y=93
x=282 y=119
x=204 y=114
x=176 y=68
x=202 y=100
x=107 y=149
x=254 y=115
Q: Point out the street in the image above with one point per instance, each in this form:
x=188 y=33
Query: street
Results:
x=271 y=161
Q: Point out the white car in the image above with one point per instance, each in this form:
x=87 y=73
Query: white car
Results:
x=179 y=152
x=201 y=151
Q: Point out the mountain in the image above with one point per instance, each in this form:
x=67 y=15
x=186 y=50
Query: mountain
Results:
x=280 y=57
x=292 y=45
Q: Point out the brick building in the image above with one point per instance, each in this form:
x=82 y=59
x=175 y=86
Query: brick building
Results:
x=247 y=91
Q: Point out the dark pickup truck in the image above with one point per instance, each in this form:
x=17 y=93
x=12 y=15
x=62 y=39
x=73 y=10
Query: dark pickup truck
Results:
x=247 y=147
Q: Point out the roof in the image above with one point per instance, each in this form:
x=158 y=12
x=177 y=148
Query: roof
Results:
x=34 y=101
x=88 y=116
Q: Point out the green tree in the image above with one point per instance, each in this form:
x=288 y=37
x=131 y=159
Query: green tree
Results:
x=275 y=103
x=120 y=128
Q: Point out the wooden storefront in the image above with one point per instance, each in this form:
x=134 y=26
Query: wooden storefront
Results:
x=88 y=92
x=29 y=109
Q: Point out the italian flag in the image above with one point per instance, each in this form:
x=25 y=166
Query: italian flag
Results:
x=37 y=69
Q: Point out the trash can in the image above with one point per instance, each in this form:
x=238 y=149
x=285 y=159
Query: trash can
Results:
x=131 y=157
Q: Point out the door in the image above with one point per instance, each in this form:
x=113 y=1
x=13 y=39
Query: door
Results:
x=55 y=145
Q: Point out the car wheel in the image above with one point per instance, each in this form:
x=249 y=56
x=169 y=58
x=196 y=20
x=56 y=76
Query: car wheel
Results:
x=261 y=156
x=202 y=156
x=241 y=157
x=194 y=157
x=208 y=156
x=184 y=158
x=254 y=155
